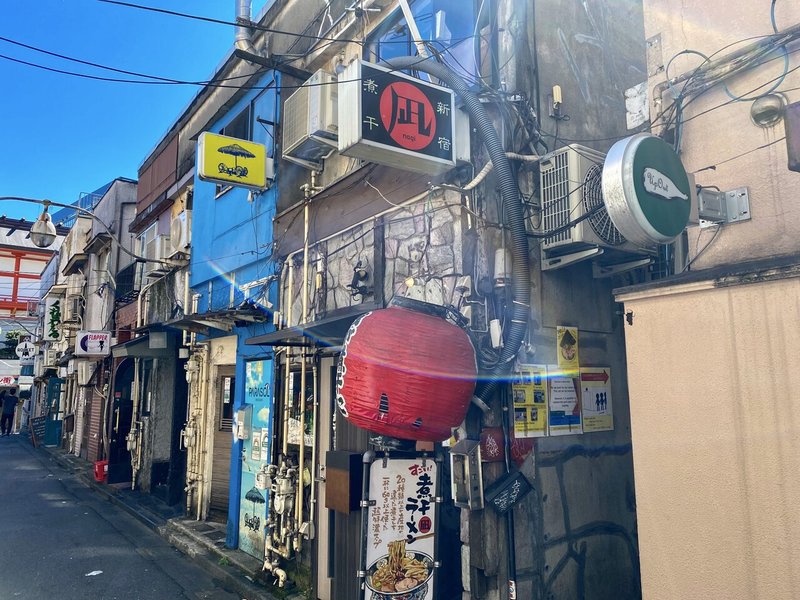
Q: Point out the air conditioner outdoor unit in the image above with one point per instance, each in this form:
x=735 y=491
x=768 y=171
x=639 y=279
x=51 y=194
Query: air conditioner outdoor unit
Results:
x=571 y=186
x=310 y=128
x=50 y=357
x=159 y=248
x=180 y=232
x=73 y=308
x=85 y=372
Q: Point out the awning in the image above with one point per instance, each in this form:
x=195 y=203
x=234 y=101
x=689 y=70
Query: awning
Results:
x=64 y=360
x=243 y=315
x=155 y=344
x=330 y=331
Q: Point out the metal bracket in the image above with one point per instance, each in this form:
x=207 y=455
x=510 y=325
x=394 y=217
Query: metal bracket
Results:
x=559 y=262
x=601 y=271
x=723 y=207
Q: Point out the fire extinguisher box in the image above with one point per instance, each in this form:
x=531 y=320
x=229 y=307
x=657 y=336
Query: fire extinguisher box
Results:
x=343 y=478
x=101 y=471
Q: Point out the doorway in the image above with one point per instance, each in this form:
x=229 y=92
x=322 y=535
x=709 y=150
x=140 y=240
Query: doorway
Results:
x=224 y=396
x=119 y=457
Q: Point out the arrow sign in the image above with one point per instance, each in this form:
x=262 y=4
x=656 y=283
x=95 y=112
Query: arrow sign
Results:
x=595 y=377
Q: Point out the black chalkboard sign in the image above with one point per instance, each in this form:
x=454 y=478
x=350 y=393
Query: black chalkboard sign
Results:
x=37 y=430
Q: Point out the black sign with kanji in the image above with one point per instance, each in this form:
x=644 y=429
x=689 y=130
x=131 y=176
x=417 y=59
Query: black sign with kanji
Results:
x=406 y=113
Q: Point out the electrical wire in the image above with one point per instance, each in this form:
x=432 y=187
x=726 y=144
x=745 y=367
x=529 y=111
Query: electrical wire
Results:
x=727 y=160
x=706 y=247
x=160 y=81
x=114 y=69
x=250 y=25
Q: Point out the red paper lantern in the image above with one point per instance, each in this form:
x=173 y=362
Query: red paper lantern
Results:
x=406 y=372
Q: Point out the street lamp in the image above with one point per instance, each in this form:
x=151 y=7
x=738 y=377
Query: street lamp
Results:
x=43 y=232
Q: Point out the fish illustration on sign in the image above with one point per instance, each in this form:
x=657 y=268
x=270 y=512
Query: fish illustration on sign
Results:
x=657 y=183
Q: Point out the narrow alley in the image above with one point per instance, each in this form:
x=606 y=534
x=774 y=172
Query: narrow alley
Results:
x=69 y=543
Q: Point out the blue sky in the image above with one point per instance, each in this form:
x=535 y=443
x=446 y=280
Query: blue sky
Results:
x=62 y=135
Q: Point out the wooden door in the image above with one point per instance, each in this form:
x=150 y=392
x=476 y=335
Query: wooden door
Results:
x=223 y=391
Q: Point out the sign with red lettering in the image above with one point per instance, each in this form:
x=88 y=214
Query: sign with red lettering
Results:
x=93 y=343
x=390 y=118
x=401 y=528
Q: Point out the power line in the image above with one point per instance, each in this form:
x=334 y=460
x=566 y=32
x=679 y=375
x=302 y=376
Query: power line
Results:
x=114 y=69
x=165 y=81
x=252 y=25
x=722 y=162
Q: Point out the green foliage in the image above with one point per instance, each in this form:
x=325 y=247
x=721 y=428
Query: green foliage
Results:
x=9 y=345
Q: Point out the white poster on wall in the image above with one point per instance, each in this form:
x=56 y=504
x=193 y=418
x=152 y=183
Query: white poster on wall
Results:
x=401 y=529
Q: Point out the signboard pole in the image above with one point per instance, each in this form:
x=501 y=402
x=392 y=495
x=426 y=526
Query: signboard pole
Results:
x=369 y=457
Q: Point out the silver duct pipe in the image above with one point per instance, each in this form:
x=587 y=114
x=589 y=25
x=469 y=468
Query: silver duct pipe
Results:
x=243 y=35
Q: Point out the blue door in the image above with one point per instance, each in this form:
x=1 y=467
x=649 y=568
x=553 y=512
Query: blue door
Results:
x=253 y=503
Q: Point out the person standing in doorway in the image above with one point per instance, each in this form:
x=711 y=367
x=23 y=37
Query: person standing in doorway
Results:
x=10 y=402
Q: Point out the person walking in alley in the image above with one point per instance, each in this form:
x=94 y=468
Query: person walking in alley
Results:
x=9 y=402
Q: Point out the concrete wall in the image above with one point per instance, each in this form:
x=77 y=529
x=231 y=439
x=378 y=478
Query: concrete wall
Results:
x=716 y=430
x=727 y=131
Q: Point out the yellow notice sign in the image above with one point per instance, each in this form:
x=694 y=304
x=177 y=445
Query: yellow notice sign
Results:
x=567 y=350
x=529 y=393
x=232 y=161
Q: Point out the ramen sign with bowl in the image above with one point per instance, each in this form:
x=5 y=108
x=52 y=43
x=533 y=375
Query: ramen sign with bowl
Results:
x=401 y=529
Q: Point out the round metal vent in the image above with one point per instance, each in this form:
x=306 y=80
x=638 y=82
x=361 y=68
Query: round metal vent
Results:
x=592 y=198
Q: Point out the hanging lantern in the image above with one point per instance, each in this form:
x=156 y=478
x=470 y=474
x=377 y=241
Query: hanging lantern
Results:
x=406 y=372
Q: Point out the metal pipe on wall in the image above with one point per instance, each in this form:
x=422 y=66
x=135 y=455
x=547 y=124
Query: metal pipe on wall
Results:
x=314 y=442
x=302 y=438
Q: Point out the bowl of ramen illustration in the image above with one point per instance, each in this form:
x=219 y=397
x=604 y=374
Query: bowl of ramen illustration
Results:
x=400 y=575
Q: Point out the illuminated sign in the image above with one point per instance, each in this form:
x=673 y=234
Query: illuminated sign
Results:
x=231 y=161
x=93 y=343
x=390 y=118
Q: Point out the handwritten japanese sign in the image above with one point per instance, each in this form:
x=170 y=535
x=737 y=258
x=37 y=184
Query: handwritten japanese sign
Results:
x=401 y=527
x=52 y=318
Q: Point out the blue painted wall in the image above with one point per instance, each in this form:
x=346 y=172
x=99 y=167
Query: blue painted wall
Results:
x=232 y=246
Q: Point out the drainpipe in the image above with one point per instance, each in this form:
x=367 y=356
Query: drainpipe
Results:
x=243 y=35
x=515 y=219
x=298 y=511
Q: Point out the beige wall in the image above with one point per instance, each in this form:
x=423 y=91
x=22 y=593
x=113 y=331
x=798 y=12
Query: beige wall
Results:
x=714 y=378
x=725 y=132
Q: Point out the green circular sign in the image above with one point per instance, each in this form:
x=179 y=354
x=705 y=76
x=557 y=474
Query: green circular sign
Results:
x=646 y=190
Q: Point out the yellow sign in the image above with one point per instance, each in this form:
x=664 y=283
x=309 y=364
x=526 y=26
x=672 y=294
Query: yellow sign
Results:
x=232 y=161
x=529 y=393
x=567 y=350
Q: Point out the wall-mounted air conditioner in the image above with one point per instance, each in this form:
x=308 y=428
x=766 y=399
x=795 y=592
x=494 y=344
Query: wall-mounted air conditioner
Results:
x=180 y=232
x=73 y=308
x=158 y=248
x=571 y=186
x=85 y=371
x=310 y=127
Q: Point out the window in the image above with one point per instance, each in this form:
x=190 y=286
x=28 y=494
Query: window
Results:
x=227 y=385
x=450 y=22
x=239 y=127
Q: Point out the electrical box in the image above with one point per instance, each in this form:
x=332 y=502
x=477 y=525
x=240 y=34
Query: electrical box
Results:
x=466 y=474
x=343 y=479
x=242 y=423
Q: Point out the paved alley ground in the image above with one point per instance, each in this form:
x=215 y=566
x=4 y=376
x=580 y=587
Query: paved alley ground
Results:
x=58 y=539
